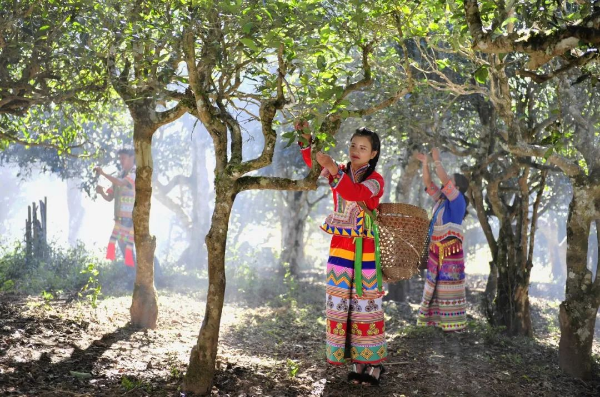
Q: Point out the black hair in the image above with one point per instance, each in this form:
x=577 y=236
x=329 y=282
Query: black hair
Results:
x=375 y=146
x=462 y=184
x=127 y=151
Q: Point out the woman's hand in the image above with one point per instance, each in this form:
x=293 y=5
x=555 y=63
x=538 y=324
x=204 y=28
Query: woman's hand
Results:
x=435 y=154
x=99 y=171
x=301 y=125
x=325 y=160
x=422 y=157
x=327 y=163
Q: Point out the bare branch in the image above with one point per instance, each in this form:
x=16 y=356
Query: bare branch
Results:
x=377 y=107
x=570 y=168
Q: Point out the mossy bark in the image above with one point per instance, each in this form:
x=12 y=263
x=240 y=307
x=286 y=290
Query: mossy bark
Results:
x=578 y=311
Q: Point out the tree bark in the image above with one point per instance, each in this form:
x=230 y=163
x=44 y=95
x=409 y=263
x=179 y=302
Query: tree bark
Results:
x=578 y=311
x=201 y=369
x=144 y=305
x=511 y=308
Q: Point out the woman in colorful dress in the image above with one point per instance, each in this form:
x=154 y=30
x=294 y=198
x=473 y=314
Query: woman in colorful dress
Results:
x=355 y=321
x=444 y=301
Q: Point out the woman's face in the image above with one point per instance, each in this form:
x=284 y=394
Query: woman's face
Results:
x=361 y=151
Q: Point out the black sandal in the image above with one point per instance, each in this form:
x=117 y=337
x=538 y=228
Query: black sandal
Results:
x=368 y=377
x=356 y=377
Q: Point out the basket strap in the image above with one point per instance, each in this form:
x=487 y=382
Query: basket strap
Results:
x=358 y=251
x=434 y=218
x=378 y=257
x=372 y=215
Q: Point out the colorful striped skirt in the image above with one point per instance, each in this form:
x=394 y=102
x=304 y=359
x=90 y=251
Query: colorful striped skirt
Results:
x=444 y=301
x=123 y=234
x=355 y=325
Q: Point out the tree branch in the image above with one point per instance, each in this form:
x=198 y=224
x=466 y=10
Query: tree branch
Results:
x=170 y=115
x=275 y=183
x=367 y=79
x=534 y=217
x=542 y=78
x=570 y=168
x=65 y=149
x=162 y=192
x=541 y=47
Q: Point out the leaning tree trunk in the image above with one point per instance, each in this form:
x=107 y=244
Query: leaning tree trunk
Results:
x=201 y=369
x=578 y=311
x=144 y=305
x=293 y=222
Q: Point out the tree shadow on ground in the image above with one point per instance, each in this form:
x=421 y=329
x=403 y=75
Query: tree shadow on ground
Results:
x=44 y=375
x=286 y=345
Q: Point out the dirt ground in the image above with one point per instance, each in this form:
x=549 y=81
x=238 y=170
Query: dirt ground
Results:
x=68 y=349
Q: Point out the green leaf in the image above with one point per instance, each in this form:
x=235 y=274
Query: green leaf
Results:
x=45 y=27
x=442 y=63
x=321 y=62
x=247 y=28
x=481 y=74
x=510 y=20
x=250 y=44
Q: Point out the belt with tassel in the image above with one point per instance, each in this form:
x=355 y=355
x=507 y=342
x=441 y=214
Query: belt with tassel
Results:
x=446 y=249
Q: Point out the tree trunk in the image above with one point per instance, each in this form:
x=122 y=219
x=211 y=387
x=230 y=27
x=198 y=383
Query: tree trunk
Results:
x=491 y=289
x=292 y=227
x=144 y=305
x=201 y=369
x=398 y=292
x=582 y=296
x=511 y=309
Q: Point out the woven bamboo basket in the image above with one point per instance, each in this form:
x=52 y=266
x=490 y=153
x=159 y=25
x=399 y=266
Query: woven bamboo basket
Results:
x=403 y=232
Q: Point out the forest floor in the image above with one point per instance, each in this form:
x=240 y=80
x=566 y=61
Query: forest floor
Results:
x=63 y=348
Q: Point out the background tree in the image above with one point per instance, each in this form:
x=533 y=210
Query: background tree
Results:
x=566 y=32
x=46 y=58
x=143 y=59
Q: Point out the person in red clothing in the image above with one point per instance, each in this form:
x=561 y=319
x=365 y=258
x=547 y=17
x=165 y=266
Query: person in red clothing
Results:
x=355 y=320
x=123 y=194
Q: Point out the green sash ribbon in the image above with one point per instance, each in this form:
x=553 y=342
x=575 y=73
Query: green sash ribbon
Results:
x=370 y=224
